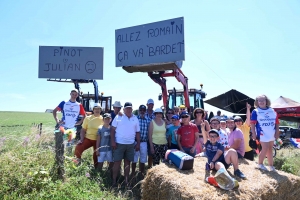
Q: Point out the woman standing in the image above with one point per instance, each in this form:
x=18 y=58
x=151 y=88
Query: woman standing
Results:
x=265 y=127
x=199 y=118
x=168 y=119
x=157 y=137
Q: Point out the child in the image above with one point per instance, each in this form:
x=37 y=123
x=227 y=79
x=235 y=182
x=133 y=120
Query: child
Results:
x=103 y=147
x=172 y=133
x=215 y=153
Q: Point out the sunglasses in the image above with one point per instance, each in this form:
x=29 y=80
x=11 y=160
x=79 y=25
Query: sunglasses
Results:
x=213 y=136
x=238 y=120
x=182 y=108
x=185 y=116
x=170 y=113
x=142 y=110
x=215 y=123
x=199 y=112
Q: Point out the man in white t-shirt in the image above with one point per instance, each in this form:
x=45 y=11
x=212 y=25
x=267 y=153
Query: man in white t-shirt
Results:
x=125 y=130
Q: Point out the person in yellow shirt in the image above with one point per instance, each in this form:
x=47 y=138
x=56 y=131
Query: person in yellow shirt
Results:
x=88 y=134
x=245 y=128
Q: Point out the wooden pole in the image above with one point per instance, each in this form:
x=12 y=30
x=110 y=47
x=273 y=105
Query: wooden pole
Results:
x=59 y=156
x=41 y=125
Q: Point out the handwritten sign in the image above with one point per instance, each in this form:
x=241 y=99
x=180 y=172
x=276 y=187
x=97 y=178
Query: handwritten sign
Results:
x=71 y=62
x=158 y=42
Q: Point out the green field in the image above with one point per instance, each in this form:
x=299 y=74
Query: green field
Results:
x=28 y=170
x=20 y=123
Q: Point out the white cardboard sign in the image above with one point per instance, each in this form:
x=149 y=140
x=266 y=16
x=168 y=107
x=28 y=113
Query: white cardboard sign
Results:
x=71 y=62
x=159 y=42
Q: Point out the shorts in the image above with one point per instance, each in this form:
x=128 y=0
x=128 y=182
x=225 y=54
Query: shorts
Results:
x=267 y=137
x=249 y=155
x=174 y=146
x=142 y=153
x=124 y=151
x=105 y=156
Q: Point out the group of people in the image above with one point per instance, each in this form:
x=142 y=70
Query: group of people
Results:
x=121 y=135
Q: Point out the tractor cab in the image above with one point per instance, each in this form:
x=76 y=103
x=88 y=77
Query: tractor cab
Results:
x=88 y=100
x=176 y=98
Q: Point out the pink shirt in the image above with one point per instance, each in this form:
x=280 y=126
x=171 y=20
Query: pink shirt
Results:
x=237 y=134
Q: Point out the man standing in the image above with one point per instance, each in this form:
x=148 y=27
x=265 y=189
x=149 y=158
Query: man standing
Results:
x=125 y=130
x=245 y=128
x=117 y=107
x=150 y=114
x=235 y=138
x=142 y=154
x=71 y=110
x=188 y=135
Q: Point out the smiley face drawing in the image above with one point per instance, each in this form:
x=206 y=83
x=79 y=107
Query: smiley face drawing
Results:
x=90 y=67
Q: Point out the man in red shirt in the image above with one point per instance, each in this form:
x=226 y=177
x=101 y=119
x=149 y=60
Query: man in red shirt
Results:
x=188 y=135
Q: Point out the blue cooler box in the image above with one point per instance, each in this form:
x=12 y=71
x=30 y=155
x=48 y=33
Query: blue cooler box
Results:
x=181 y=160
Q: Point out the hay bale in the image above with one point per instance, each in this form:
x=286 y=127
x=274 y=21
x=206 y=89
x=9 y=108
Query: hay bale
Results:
x=167 y=182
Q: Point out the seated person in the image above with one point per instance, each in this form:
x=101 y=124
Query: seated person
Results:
x=235 y=138
x=215 y=154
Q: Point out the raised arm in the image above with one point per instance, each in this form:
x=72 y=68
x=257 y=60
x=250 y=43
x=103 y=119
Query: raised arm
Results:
x=248 y=114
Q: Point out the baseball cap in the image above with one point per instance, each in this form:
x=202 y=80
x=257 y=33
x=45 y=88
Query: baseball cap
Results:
x=182 y=106
x=230 y=119
x=175 y=117
x=214 y=131
x=96 y=105
x=150 y=101
x=106 y=115
x=142 y=107
x=158 y=110
x=184 y=113
x=237 y=118
x=128 y=105
x=214 y=119
x=74 y=90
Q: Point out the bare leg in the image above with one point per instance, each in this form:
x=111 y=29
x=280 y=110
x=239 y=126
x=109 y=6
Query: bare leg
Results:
x=126 y=170
x=150 y=162
x=142 y=167
x=100 y=165
x=270 y=153
x=219 y=165
x=116 y=170
x=232 y=157
x=133 y=167
x=263 y=153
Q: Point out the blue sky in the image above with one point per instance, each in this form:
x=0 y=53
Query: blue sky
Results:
x=250 y=46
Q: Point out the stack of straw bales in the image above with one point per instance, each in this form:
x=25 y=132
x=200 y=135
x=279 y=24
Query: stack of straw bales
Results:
x=165 y=181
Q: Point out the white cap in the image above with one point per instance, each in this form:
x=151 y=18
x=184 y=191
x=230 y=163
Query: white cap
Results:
x=158 y=110
x=96 y=105
x=150 y=101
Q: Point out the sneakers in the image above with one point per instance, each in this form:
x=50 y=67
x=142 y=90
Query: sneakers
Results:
x=262 y=167
x=238 y=173
x=272 y=169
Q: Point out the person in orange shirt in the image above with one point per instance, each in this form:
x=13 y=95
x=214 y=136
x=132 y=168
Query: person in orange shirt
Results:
x=245 y=128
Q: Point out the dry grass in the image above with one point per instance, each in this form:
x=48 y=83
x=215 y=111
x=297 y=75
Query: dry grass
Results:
x=167 y=182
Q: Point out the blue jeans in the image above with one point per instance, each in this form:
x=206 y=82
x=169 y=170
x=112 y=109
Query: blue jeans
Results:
x=188 y=151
